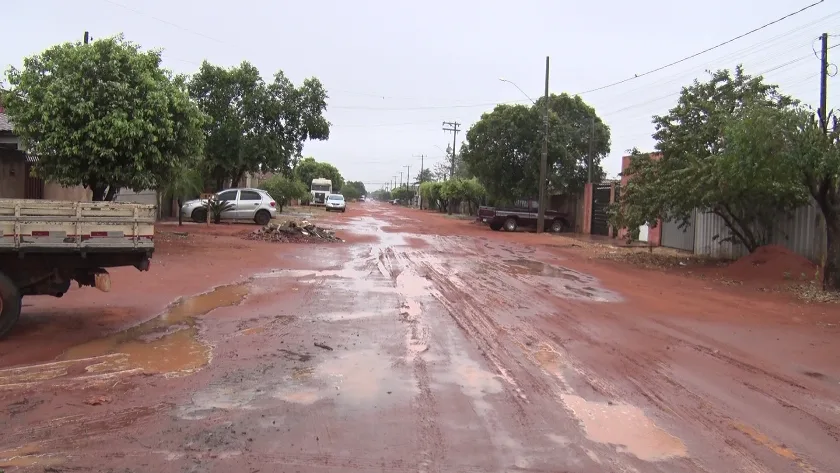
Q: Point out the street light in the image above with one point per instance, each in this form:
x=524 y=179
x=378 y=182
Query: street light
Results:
x=544 y=158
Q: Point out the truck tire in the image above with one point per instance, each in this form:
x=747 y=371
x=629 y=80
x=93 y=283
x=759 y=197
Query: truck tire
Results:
x=9 y=304
x=495 y=227
x=262 y=217
x=199 y=215
x=510 y=224
x=558 y=226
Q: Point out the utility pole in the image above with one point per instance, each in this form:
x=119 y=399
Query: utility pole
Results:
x=591 y=150
x=543 y=160
x=87 y=37
x=401 y=173
x=395 y=183
x=407 y=175
x=420 y=176
x=824 y=83
x=453 y=127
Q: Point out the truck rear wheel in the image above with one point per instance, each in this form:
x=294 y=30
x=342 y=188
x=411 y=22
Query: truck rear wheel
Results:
x=558 y=226
x=495 y=226
x=9 y=304
x=510 y=225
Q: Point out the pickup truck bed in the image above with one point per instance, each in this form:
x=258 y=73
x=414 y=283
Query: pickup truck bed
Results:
x=512 y=219
x=44 y=245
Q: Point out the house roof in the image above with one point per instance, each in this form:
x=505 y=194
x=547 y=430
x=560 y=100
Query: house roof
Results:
x=5 y=124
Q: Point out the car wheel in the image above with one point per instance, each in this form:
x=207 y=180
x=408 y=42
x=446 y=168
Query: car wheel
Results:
x=262 y=217
x=510 y=225
x=9 y=304
x=199 y=215
x=557 y=226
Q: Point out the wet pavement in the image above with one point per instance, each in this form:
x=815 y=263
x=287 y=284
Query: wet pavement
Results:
x=425 y=345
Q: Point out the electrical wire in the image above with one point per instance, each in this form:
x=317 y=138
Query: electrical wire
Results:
x=636 y=76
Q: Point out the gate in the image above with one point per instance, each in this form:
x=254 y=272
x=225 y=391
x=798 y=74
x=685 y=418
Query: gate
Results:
x=600 y=203
x=680 y=239
x=33 y=187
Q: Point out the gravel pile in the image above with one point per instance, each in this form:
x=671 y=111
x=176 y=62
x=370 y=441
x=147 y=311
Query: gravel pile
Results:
x=293 y=232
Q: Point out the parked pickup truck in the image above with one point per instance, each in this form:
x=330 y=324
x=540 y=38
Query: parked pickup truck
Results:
x=511 y=219
x=44 y=245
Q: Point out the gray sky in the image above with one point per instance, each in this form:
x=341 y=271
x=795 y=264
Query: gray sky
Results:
x=395 y=70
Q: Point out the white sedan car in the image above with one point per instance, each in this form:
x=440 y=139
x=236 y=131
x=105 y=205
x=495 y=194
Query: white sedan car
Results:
x=336 y=202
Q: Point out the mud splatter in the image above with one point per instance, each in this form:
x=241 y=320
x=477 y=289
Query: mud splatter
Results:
x=765 y=441
x=627 y=427
x=562 y=281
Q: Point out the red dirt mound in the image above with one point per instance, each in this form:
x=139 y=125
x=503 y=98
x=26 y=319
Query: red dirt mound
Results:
x=772 y=263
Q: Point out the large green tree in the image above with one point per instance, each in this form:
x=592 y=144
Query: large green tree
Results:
x=256 y=126
x=723 y=150
x=104 y=115
x=309 y=169
x=353 y=189
x=503 y=148
x=284 y=189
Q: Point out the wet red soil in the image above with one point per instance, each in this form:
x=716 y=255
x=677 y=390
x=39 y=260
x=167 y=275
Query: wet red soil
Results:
x=424 y=343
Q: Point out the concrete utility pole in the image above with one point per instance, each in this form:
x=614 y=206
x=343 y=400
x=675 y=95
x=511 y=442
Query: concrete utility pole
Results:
x=407 y=175
x=401 y=173
x=591 y=151
x=543 y=160
x=420 y=176
x=824 y=83
x=453 y=127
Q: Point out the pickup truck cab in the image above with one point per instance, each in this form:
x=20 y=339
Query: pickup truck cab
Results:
x=44 y=245
x=512 y=218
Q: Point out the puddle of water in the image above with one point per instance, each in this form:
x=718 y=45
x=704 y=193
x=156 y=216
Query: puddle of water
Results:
x=765 y=441
x=550 y=360
x=364 y=377
x=627 y=427
x=305 y=397
x=565 y=282
x=166 y=344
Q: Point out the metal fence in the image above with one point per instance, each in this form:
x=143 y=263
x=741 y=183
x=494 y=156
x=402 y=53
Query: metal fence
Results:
x=802 y=232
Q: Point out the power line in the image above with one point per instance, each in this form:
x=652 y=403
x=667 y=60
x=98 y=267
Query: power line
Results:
x=174 y=25
x=636 y=76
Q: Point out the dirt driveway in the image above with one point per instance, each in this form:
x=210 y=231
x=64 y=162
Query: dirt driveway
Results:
x=423 y=344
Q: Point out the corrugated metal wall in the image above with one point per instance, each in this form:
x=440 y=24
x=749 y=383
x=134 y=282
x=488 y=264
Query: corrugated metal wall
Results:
x=802 y=232
x=680 y=238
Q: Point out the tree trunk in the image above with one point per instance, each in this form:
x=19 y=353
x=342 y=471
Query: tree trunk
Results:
x=180 y=214
x=112 y=192
x=831 y=267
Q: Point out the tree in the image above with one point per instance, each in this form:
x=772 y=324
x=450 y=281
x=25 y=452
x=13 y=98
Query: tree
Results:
x=309 y=169
x=425 y=175
x=816 y=155
x=353 y=190
x=723 y=150
x=504 y=147
x=183 y=181
x=431 y=194
x=381 y=195
x=403 y=194
x=104 y=115
x=256 y=126
x=283 y=189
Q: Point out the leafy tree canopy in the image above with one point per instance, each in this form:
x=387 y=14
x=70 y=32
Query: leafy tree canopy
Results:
x=723 y=149
x=104 y=115
x=353 y=190
x=256 y=126
x=381 y=195
x=283 y=189
x=504 y=147
x=425 y=175
x=309 y=169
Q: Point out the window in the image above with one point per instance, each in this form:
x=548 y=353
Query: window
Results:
x=336 y=197
x=249 y=195
x=321 y=187
x=227 y=195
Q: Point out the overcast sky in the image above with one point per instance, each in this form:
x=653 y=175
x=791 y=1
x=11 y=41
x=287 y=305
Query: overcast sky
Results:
x=395 y=70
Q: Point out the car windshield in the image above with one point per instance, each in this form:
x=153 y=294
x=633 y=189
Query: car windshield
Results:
x=336 y=197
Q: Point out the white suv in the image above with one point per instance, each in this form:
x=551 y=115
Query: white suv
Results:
x=246 y=204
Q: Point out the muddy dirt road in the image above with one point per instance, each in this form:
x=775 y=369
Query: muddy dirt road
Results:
x=423 y=344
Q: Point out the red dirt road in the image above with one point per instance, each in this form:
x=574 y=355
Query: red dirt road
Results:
x=423 y=344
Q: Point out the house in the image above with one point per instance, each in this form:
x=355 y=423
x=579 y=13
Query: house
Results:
x=16 y=180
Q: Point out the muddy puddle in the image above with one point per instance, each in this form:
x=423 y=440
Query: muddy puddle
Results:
x=625 y=426
x=169 y=344
x=561 y=281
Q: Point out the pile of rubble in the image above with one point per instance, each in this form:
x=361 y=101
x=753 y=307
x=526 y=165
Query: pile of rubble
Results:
x=294 y=232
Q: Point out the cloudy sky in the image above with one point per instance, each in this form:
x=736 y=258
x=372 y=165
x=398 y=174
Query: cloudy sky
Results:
x=396 y=70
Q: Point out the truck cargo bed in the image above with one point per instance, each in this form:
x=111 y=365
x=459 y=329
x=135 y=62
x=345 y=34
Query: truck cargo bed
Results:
x=47 y=226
